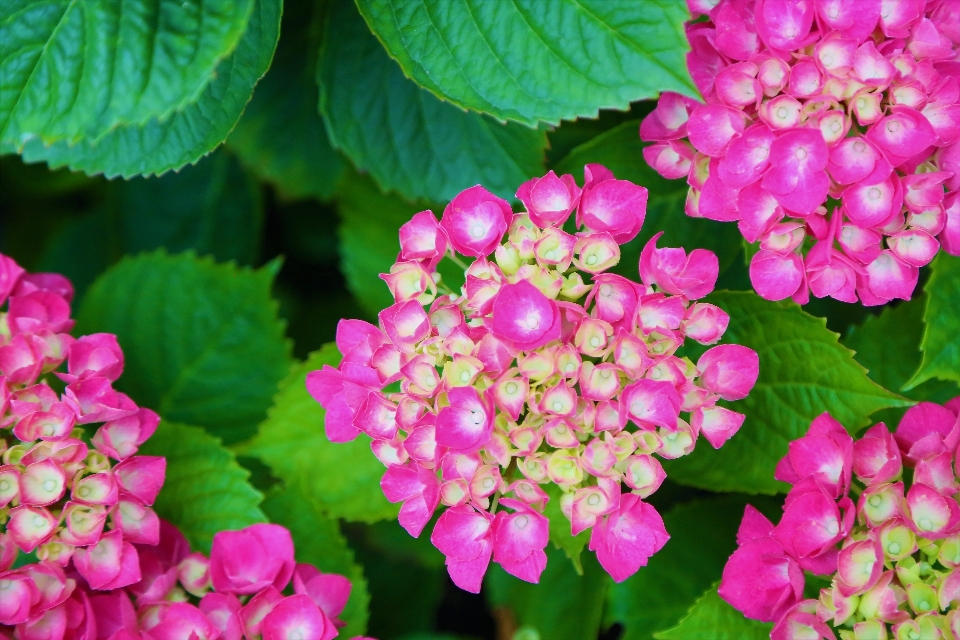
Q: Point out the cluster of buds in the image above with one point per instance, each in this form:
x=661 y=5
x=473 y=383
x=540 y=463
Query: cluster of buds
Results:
x=813 y=105
x=529 y=375
x=69 y=499
x=234 y=594
x=889 y=541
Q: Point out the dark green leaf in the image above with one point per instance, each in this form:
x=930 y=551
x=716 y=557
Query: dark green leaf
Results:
x=157 y=146
x=941 y=337
x=703 y=534
x=804 y=371
x=281 y=136
x=202 y=341
x=78 y=69
x=409 y=140
x=531 y=61
x=318 y=542
x=711 y=618
x=621 y=150
x=344 y=478
x=564 y=604
x=205 y=490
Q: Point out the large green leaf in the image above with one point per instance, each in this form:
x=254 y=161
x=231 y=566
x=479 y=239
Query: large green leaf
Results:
x=703 y=534
x=407 y=139
x=159 y=145
x=941 y=338
x=804 y=371
x=563 y=605
x=530 y=60
x=711 y=618
x=202 y=341
x=281 y=136
x=73 y=70
x=343 y=478
x=888 y=346
x=205 y=490
x=318 y=542
x=621 y=150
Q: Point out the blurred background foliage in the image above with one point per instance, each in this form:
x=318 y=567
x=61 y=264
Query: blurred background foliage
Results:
x=226 y=247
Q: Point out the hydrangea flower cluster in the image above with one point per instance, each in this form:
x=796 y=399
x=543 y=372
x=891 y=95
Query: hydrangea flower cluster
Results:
x=530 y=376
x=69 y=502
x=830 y=133
x=233 y=594
x=888 y=540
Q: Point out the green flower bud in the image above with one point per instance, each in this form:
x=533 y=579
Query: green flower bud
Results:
x=898 y=542
x=922 y=597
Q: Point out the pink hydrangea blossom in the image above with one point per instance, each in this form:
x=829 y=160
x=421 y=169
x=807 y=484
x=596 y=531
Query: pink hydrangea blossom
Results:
x=544 y=367
x=828 y=114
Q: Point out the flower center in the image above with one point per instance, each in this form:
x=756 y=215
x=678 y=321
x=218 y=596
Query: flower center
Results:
x=593 y=500
x=926 y=524
x=511 y=387
x=875 y=501
x=39 y=521
x=487 y=483
x=557 y=405
x=477 y=417
x=50 y=485
x=800 y=154
x=782 y=112
x=591 y=260
x=606 y=290
x=894 y=548
x=832 y=528
x=464 y=376
x=477 y=231
x=859 y=146
x=595 y=342
x=522 y=522
x=893 y=126
x=874 y=193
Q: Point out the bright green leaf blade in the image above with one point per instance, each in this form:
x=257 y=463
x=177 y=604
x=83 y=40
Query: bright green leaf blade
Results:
x=409 y=140
x=318 y=541
x=342 y=478
x=804 y=371
x=888 y=346
x=703 y=534
x=532 y=61
x=202 y=341
x=621 y=150
x=78 y=69
x=205 y=490
x=564 y=604
x=369 y=239
x=941 y=338
x=188 y=134
x=711 y=618
x=281 y=137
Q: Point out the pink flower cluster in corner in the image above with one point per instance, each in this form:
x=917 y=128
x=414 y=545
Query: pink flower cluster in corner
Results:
x=830 y=134
x=234 y=594
x=890 y=544
x=544 y=368
x=70 y=503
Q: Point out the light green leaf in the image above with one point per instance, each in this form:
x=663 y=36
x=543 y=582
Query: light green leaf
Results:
x=202 y=341
x=318 y=541
x=533 y=61
x=621 y=150
x=73 y=70
x=159 y=145
x=281 y=136
x=563 y=605
x=888 y=346
x=711 y=618
x=941 y=337
x=407 y=139
x=205 y=490
x=343 y=479
x=804 y=371
x=703 y=534
x=369 y=239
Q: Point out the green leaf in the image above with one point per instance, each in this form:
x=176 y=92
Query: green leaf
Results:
x=318 y=541
x=560 y=532
x=281 y=136
x=711 y=618
x=407 y=139
x=804 y=371
x=703 y=534
x=344 y=478
x=564 y=604
x=621 y=150
x=160 y=145
x=78 y=69
x=533 y=61
x=369 y=239
x=202 y=341
x=205 y=490
x=941 y=337
x=888 y=346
